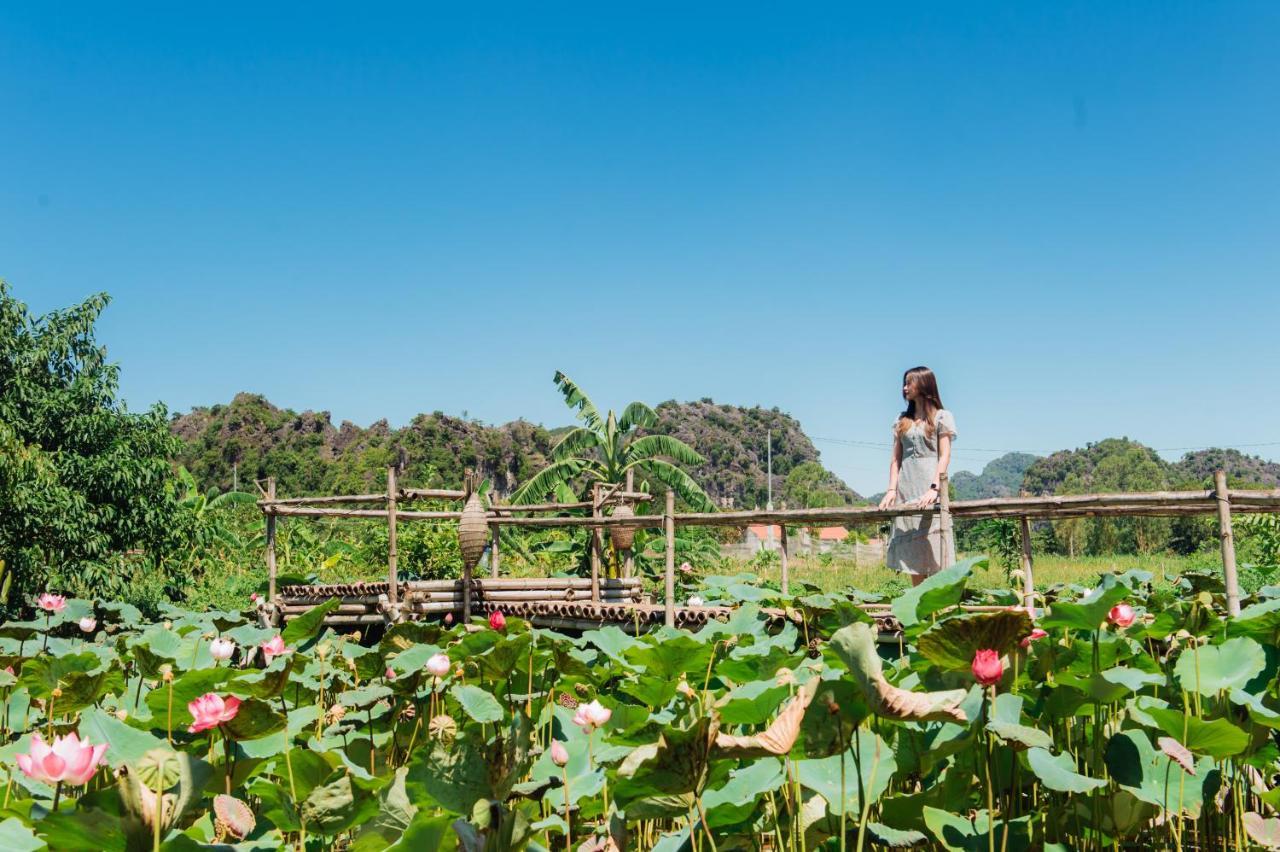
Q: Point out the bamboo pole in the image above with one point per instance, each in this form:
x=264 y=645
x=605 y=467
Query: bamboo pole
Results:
x=593 y=543
x=495 y=552
x=946 y=553
x=629 y=558
x=1028 y=582
x=669 y=523
x=786 y=566
x=1228 y=543
x=392 y=574
x=271 y=543
x=466 y=569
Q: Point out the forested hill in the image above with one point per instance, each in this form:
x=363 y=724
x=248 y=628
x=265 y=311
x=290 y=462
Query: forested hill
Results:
x=309 y=455
x=1002 y=477
x=1119 y=464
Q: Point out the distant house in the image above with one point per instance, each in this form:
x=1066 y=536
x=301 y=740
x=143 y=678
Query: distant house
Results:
x=769 y=537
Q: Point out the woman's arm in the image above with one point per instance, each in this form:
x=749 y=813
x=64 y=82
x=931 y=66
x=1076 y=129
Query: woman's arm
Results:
x=895 y=463
x=944 y=459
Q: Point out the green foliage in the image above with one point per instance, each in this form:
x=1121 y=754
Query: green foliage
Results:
x=753 y=732
x=82 y=479
x=606 y=448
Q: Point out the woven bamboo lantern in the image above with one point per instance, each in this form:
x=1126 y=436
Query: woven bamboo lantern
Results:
x=473 y=531
x=623 y=537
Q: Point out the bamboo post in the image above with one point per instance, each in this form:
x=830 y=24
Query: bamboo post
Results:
x=786 y=567
x=466 y=571
x=629 y=558
x=594 y=544
x=944 y=522
x=271 y=543
x=669 y=527
x=1028 y=582
x=392 y=578
x=495 y=554
x=1228 y=543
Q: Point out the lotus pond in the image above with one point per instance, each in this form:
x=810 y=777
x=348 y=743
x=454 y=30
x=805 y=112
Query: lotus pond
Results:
x=1121 y=718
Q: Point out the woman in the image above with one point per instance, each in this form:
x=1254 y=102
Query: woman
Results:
x=921 y=451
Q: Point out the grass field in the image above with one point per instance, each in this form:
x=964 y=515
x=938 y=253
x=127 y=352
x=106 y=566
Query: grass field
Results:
x=836 y=574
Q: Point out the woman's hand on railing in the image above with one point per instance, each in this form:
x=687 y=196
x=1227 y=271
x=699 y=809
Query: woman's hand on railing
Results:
x=890 y=497
x=930 y=497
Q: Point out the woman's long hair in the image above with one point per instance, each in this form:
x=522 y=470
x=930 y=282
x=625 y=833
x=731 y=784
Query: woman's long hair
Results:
x=926 y=386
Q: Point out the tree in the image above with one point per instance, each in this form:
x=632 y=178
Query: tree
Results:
x=603 y=449
x=81 y=478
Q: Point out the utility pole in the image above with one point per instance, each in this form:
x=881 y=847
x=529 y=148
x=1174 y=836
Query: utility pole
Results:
x=235 y=476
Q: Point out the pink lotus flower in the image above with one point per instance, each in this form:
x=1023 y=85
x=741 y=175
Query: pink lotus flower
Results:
x=211 y=710
x=1036 y=633
x=88 y=624
x=438 y=665
x=591 y=716
x=68 y=760
x=559 y=754
x=255 y=597
x=987 y=668
x=1121 y=615
x=222 y=649
x=448 y=618
x=391 y=673
x=497 y=620
x=274 y=648
x=51 y=603
x=686 y=568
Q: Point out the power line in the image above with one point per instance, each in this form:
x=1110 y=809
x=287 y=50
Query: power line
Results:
x=881 y=445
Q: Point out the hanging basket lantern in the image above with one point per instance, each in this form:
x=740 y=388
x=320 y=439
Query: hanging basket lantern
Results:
x=623 y=537
x=473 y=532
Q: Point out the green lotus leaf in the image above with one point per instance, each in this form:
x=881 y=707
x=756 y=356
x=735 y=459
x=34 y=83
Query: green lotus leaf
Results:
x=1260 y=620
x=971 y=835
x=752 y=703
x=856 y=647
x=1154 y=778
x=1020 y=735
x=16 y=837
x=1216 y=737
x=895 y=838
x=952 y=643
x=1211 y=669
x=367 y=696
x=478 y=704
x=866 y=767
x=255 y=718
x=1259 y=712
x=1090 y=611
x=737 y=798
x=168 y=702
x=125 y=744
x=307 y=626
x=1058 y=772
x=941 y=590
x=81 y=679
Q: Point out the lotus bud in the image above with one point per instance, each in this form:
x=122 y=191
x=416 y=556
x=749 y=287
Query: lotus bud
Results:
x=222 y=649
x=1121 y=615
x=694 y=600
x=559 y=754
x=88 y=624
x=497 y=620
x=448 y=618
x=438 y=665
x=987 y=668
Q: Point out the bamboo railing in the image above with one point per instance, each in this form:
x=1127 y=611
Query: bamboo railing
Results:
x=1219 y=500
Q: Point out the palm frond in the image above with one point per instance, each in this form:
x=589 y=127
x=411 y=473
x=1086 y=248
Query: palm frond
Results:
x=652 y=446
x=547 y=479
x=637 y=415
x=232 y=497
x=576 y=398
x=678 y=481
x=576 y=442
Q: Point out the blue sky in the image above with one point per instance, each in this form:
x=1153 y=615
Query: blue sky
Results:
x=1069 y=210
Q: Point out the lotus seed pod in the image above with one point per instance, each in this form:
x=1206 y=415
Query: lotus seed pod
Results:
x=234 y=815
x=443 y=727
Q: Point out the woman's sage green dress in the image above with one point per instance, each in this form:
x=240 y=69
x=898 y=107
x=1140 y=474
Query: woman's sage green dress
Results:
x=916 y=543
